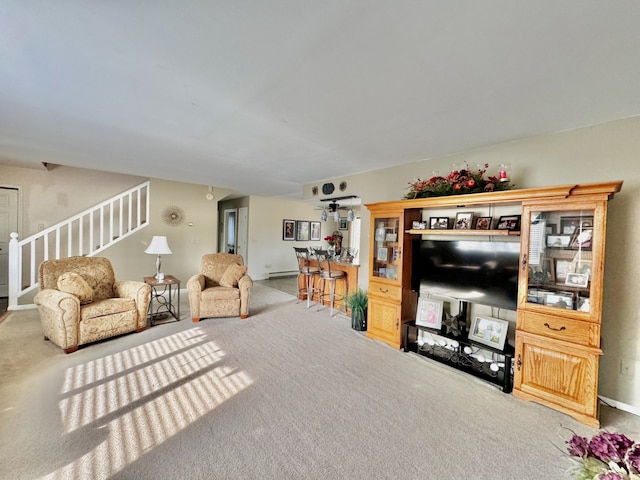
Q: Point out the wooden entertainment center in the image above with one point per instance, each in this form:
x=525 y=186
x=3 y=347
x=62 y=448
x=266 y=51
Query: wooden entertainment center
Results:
x=562 y=238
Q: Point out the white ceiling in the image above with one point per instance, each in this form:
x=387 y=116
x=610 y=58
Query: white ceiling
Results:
x=263 y=96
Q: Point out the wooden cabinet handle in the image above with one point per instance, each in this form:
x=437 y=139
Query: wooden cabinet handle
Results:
x=519 y=362
x=556 y=329
x=383 y=290
x=524 y=262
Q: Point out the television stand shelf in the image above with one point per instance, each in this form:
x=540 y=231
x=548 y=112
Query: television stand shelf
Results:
x=491 y=365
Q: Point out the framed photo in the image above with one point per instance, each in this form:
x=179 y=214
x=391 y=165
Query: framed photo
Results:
x=542 y=273
x=558 y=241
x=429 y=313
x=343 y=224
x=581 y=238
x=577 y=280
x=302 y=230
x=489 y=331
x=383 y=254
x=563 y=269
x=315 y=231
x=464 y=221
x=484 y=223
x=288 y=230
x=391 y=237
x=439 y=223
x=560 y=300
x=568 y=225
x=581 y=266
x=550 y=229
x=416 y=225
x=509 y=222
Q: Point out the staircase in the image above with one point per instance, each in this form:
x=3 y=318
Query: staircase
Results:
x=86 y=234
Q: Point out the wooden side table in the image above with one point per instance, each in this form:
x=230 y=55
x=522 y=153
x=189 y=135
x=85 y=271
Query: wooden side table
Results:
x=165 y=304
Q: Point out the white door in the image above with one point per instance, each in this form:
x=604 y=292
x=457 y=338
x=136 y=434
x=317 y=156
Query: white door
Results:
x=229 y=239
x=8 y=224
x=241 y=240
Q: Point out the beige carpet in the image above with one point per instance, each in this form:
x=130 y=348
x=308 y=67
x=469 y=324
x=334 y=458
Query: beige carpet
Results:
x=286 y=394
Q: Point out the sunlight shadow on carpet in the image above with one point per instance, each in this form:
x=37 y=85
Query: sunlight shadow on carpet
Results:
x=142 y=397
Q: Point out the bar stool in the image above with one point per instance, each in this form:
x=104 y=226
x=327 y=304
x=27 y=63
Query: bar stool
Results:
x=327 y=274
x=309 y=273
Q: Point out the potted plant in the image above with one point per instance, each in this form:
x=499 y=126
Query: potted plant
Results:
x=357 y=301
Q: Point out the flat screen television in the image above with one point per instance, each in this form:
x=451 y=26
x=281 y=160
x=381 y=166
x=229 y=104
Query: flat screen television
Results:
x=484 y=272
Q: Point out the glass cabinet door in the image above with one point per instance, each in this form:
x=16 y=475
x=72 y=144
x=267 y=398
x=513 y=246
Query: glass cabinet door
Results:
x=386 y=251
x=559 y=259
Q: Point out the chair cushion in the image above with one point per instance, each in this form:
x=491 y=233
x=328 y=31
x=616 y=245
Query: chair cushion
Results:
x=106 y=307
x=74 y=284
x=232 y=274
x=219 y=293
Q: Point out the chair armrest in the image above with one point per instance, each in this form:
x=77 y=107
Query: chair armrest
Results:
x=195 y=285
x=140 y=292
x=244 y=284
x=60 y=316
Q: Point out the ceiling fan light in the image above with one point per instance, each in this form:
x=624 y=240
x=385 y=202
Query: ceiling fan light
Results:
x=350 y=216
x=336 y=216
x=323 y=216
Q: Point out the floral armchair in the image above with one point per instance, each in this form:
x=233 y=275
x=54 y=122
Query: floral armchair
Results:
x=221 y=289
x=81 y=302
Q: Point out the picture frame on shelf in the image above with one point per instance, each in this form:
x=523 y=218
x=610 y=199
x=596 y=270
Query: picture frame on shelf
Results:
x=570 y=224
x=429 y=313
x=509 y=222
x=416 y=225
x=558 y=241
x=343 y=224
x=550 y=229
x=464 y=221
x=489 y=331
x=562 y=269
x=383 y=254
x=581 y=238
x=580 y=280
x=439 y=223
x=391 y=237
x=288 y=229
x=559 y=300
x=483 y=223
x=316 y=228
x=581 y=266
x=302 y=230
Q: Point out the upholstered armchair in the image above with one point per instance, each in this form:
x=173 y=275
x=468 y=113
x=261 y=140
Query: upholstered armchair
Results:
x=81 y=302
x=221 y=289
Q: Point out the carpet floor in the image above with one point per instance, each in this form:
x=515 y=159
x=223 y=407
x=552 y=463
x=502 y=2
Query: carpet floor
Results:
x=286 y=394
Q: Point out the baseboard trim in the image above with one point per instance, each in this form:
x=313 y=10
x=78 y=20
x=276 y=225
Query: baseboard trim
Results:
x=620 y=406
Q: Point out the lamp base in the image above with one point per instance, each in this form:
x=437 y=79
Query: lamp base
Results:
x=159 y=276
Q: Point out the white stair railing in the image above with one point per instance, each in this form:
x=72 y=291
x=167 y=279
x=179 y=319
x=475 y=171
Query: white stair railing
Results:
x=85 y=234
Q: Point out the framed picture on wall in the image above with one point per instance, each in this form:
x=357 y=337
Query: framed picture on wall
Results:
x=315 y=230
x=288 y=230
x=343 y=224
x=302 y=230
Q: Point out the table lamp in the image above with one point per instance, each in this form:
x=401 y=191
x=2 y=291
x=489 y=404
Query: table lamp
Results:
x=158 y=246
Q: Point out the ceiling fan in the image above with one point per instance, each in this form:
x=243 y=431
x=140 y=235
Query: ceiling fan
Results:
x=334 y=206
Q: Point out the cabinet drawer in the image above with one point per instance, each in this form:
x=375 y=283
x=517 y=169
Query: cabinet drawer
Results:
x=568 y=329
x=385 y=291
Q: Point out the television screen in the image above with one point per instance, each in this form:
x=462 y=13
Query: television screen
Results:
x=475 y=271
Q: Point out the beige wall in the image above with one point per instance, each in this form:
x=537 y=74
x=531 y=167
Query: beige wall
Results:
x=586 y=155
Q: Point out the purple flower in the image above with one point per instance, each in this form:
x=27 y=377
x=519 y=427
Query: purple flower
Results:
x=578 y=446
x=609 y=446
x=610 y=476
x=632 y=459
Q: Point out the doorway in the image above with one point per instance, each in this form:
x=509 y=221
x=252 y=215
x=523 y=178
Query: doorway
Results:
x=8 y=224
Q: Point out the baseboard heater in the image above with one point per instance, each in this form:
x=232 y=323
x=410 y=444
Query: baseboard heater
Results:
x=288 y=273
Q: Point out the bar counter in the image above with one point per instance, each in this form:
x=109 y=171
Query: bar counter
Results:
x=351 y=269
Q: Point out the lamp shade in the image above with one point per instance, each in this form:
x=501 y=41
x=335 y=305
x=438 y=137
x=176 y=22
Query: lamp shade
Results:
x=158 y=246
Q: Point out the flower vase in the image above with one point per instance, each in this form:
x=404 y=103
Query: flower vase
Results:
x=331 y=250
